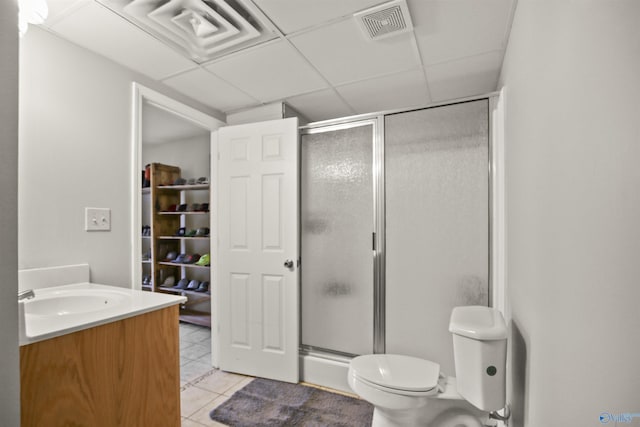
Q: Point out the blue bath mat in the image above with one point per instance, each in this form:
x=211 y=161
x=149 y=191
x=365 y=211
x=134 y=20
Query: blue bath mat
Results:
x=273 y=403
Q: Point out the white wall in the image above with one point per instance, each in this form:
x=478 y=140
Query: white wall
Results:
x=9 y=359
x=572 y=75
x=190 y=155
x=75 y=136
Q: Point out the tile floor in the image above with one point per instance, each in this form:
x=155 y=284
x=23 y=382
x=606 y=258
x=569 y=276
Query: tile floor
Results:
x=202 y=388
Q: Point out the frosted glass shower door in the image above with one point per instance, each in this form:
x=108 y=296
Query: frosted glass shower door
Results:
x=437 y=224
x=336 y=208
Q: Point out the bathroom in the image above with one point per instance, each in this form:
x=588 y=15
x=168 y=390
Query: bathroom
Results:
x=571 y=133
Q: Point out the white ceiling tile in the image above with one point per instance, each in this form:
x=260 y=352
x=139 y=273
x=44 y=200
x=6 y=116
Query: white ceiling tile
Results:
x=102 y=31
x=210 y=90
x=321 y=105
x=342 y=54
x=476 y=75
x=269 y=72
x=448 y=30
x=294 y=15
x=406 y=89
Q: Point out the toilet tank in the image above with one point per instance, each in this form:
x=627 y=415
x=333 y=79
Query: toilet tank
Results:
x=480 y=353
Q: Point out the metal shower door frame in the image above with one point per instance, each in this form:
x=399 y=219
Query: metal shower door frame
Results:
x=379 y=201
x=378 y=232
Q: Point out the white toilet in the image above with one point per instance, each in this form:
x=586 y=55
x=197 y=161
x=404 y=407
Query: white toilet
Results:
x=407 y=391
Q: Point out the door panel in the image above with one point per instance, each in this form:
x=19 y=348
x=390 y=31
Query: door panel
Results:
x=258 y=227
x=337 y=225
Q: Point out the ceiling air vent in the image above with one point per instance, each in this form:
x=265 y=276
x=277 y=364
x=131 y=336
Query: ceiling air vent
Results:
x=385 y=20
x=200 y=29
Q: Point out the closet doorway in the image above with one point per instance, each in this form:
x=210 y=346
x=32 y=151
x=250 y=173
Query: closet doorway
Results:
x=172 y=200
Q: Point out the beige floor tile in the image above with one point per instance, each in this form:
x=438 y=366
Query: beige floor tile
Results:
x=186 y=422
x=196 y=351
x=202 y=415
x=194 y=369
x=219 y=381
x=193 y=398
x=238 y=386
x=199 y=336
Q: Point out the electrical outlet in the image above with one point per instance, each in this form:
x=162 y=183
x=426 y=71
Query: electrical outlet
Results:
x=97 y=219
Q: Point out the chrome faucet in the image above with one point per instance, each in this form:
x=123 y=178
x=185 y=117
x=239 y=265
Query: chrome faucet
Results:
x=28 y=294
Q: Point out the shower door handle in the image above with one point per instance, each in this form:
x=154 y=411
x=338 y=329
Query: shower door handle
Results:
x=288 y=264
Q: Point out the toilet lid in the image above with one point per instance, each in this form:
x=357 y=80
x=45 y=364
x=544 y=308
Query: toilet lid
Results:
x=397 y=371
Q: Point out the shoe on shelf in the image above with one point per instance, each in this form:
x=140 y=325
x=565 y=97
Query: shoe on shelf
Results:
x=190 y=259
x=193 y=285
x=180 y=259
x=203 y=261
x=169 y=282
x=204 y=287
x=171 y=256
x=190 y=233
x=182 y=284
x=202 y=232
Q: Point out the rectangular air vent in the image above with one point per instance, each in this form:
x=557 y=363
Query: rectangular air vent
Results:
x=385 y=20
x=200 y=29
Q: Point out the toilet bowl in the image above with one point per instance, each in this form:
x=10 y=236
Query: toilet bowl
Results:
x=408 y=391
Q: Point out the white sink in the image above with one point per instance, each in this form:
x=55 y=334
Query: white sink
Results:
x=73 y=302
x=60 y=310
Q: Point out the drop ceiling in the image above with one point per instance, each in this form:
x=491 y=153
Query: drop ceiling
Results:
x=313 y=54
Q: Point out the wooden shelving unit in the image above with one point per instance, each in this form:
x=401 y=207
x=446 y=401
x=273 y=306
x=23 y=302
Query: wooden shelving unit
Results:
x=177 y=264
x=164 y=225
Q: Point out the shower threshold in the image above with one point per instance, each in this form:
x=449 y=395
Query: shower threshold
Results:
x=325 y=369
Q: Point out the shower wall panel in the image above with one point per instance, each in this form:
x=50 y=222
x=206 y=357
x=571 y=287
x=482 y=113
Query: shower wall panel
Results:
x=336 y=224
x=437 y=224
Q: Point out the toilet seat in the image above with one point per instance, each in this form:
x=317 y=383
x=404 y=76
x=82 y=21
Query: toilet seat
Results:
x=397 y=374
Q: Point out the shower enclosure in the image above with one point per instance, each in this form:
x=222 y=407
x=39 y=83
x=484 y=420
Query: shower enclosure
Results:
x=395 y=228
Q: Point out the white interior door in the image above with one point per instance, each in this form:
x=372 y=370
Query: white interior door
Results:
x=258 y=314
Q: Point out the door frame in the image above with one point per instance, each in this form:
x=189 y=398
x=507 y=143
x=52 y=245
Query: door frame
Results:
x=496 y=177
x=139 y=95
x=376 y=121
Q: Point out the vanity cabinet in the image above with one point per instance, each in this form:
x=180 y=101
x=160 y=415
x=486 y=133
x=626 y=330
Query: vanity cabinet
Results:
x=125 y=373
x=166 y=221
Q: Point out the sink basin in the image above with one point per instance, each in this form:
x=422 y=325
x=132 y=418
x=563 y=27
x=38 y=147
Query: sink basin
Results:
x=64 y=309
x=63 y=304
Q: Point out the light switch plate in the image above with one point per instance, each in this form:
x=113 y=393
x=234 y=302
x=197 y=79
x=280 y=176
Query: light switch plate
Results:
x=97 y=219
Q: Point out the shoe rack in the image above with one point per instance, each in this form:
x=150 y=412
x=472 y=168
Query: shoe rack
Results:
x=174 y=211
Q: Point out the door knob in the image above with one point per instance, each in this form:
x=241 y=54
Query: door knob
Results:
x=288 y=263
